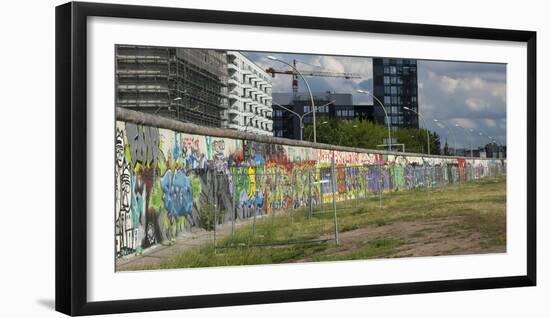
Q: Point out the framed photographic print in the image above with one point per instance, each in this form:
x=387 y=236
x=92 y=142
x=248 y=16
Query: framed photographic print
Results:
x=209 y=158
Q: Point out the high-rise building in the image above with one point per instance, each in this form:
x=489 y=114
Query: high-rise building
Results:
x=181 y=83
x=396 y=86
x=249 y=96
x=338 y=106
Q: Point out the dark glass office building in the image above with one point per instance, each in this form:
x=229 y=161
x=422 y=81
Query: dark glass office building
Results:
x=338 y=105
x=396 y=85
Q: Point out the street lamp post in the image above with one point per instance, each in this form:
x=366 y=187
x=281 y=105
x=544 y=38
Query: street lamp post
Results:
x=177 y=107
x=421 y=118
x=301 y=117
x=491 y=139
x=450 y=132
x=468 y=131
x=273 y=58
x=342 y=135
x=385 y=113
x=472 y=138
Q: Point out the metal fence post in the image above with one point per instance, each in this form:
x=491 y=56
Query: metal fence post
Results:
x=215 y=208
x=380 y=184
x=321 y=191
x=234 y=210
x=255 y=195
x=356 y=185
x=366 y=180
x=334 y=200
x=310 y=201
x=254 y=221
x=290 y=184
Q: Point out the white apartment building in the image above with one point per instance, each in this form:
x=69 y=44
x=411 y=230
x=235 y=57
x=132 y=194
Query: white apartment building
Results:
x=249 y=94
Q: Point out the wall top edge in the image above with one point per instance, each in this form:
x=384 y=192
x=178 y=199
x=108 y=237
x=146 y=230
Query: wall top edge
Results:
x=140 y=118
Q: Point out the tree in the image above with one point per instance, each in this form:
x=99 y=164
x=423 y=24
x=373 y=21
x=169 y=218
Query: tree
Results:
x=366 y=134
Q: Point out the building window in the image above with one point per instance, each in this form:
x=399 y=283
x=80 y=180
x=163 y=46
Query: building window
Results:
x=307 y=109
x=387 y=100
x=386 y=80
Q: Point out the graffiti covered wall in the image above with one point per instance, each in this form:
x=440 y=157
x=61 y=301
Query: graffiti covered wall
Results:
x=168 y=182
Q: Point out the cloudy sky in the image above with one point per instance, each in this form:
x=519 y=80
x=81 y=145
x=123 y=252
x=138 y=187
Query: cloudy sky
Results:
x=471 y=95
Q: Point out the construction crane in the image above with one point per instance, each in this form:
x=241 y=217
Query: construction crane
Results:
x=295 y=74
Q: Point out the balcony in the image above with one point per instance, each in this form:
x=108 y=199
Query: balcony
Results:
x=235 y=95
x=233 y=81
x=235 y=126
x=234 y=111
x=235 y=119
x=232 y=67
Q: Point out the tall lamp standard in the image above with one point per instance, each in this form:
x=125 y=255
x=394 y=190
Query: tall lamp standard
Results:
x=421 y=118
x=177 y=106
x=385 y=113
x=469 y=134
x=321 y=124
x=273 y=58
x=491 y=139
x=450 y=132
x=342 y=135
x=301 y=117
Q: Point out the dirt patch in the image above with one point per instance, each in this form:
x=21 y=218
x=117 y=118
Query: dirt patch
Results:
x=441 y=236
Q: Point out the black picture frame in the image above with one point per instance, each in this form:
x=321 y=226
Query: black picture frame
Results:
x=71 y=157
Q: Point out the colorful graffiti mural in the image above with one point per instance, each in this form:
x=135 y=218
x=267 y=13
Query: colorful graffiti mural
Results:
x=167 y=181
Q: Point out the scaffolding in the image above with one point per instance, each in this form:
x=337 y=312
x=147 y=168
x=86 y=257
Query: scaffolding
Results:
x=181 y=83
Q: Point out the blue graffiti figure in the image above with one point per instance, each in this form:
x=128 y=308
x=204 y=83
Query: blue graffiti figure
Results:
x=137 y=198
x=244 y=198
x=258 y=159
x=259 y=199
x=177 y=193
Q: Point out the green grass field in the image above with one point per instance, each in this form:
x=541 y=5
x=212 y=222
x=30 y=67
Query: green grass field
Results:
x=457 y=219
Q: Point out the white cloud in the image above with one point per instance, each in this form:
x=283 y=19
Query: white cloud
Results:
x=490 y=122
x=472 y=95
